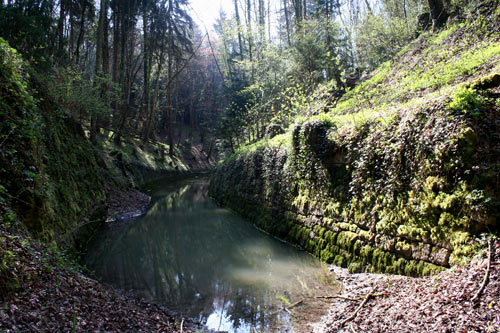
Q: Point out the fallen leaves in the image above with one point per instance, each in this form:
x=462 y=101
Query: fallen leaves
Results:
x=54 y=298
x=431 y=304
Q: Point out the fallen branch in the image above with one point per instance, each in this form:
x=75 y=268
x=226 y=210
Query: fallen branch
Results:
x=338 y=296
x=289 y=312
x=295 y=304
x=351 y=317
x=287 y=309
x=487 y=274
x=353 y=299
x=182 y=324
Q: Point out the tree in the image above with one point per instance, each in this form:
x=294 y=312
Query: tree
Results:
x=439 y=15
x=100 y=68
x=238 y=24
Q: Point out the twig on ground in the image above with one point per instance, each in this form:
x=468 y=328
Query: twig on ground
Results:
x=351 y=317
x=289 y=312
x=295 y=304
x=487 y=273
x=353 y=299
x=338 y=296
x=182 y=324
x=352 y=329
x=287 y=309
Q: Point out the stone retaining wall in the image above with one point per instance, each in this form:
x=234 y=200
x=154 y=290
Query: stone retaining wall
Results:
x=400 y=198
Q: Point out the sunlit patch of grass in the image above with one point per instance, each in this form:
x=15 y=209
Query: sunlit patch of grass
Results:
x=429 y=65
x=427 y=70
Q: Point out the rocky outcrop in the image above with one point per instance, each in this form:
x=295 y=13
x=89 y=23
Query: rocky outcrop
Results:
x=403 y=195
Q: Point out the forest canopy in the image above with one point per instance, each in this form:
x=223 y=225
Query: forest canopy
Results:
x=144 y=68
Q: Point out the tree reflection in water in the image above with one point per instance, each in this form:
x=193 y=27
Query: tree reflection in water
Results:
x=206 y=262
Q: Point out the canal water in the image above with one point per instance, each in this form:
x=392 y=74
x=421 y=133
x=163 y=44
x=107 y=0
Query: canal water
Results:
x=208 y=263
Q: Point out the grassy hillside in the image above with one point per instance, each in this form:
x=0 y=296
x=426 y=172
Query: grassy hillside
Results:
x=402 y=173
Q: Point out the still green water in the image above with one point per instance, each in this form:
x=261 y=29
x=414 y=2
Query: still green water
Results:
x=208 y=263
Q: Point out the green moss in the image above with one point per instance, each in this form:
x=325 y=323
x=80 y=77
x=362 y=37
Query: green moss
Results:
x=403 y=247
x=346 y=239
x=355 y=267
x=339 y=261
x=327 y=256
x=394 y=166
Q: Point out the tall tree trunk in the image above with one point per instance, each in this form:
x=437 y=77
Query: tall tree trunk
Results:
x=80 y=35
x=156 y=92
x=238 y=24
x=71 y=38
x=116 y=57
x=439 y=15
x=147 y=68
x=169 y=87
x=105 y=119
x=368 y=7
x=287 y=20
x=298 y=12
x=98 y=66
x=262 y=21
x=269 y=19
x=127 y=70
x=60 y=29
x=406 y=16
x=191 y=120
x=249 y=29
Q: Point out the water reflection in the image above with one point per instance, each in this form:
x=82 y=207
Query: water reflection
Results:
x=207 y=262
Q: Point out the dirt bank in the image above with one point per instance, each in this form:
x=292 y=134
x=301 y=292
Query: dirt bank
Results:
x=439 y=303
x=51 y=296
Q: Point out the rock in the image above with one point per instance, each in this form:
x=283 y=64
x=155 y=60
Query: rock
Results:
x=421 y=251
x=440 y=256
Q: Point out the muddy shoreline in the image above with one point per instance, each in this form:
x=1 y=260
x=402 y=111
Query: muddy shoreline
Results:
x=126 y=205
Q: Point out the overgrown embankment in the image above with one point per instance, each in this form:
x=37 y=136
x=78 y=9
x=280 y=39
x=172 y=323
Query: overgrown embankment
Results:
x=53 y=181
x=55 y=189
x=402 y=174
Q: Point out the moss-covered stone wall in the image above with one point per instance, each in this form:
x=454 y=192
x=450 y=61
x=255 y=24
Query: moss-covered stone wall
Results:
x=403 y=195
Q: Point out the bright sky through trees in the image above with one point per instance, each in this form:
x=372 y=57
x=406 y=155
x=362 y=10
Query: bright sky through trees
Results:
x=207 y=11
